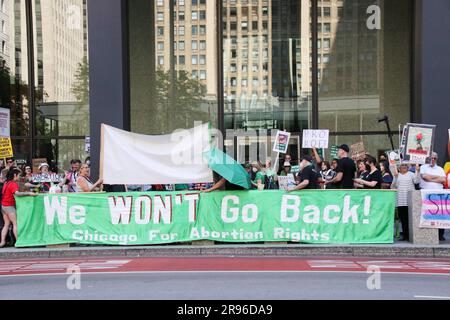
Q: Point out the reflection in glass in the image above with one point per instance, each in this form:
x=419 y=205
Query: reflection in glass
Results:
x=62 y=67
x=14 y=66
x=59 y=152
x=267 y=77
x=364 y=72
x=172 y=87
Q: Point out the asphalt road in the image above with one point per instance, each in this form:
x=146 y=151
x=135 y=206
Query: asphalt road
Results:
x=227 y=286
x=225 y=278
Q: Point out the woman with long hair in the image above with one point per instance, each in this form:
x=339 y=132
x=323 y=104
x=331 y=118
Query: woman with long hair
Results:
x=386 y=175
x=363 y=172
x=11 y=189
x=374 y=179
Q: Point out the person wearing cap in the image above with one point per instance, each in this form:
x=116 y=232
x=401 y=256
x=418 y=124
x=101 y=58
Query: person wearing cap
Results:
x=42 y=180
x=307 y=175
x=345 y=171
x=432 y=177
x=286 y=169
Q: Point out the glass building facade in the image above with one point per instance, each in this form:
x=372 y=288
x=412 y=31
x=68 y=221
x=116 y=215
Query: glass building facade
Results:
x=249 y=67
x=45 y=78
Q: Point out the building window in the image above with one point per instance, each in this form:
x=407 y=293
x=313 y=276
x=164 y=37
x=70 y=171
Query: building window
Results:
x=203 y=74
x=194 y=15
x=194 y=60
x=202 y=45
x=202 y=59
x=161 y=60
x=160 y=31
x=181 y=30
x=194 y=45
x=160 y=46
x=194 y=30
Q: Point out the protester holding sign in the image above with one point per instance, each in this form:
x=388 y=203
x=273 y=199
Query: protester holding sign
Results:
x=84 y=183
x=41 y=181
x=432 y=177
x=286 y=169
x=404 y=182
x=9 y=190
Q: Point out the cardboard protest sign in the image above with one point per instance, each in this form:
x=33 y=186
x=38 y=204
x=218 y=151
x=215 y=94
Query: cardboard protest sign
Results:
x=282 y=142
x=357 y=151
x=6 y=150
x=316 y=139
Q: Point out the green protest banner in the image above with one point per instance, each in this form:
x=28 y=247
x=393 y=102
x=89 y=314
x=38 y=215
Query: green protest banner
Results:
x=317 y=217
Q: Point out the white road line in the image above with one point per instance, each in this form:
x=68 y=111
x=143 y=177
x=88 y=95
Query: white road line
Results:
x=219 y=272
x=432 y=297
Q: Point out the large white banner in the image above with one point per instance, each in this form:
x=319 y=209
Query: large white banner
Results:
x=129 y=158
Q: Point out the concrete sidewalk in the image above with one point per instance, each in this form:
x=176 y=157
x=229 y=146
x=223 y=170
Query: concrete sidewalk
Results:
x=403 y=250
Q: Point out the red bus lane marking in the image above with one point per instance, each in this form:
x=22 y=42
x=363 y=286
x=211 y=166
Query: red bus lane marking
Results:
x=222 y=264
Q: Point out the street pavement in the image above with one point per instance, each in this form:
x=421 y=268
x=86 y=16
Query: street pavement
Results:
x=225 y=278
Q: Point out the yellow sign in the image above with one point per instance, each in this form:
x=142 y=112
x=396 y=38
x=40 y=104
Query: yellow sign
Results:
x=6 y=150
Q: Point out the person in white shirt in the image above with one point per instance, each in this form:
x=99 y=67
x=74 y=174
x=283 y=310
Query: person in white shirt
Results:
x=404 y=182
x=433 y=177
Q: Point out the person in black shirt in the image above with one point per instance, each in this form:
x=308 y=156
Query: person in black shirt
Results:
x=346 y=170
x=374 y=179
x=308 y=175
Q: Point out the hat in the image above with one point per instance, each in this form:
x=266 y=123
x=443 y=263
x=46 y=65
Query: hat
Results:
x=344 y=147
x=43 y=165
x=287 y=164
x=307 y=158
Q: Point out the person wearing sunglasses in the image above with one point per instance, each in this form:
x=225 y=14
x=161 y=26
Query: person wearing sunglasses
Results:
x=10 y=163
x=432 y=177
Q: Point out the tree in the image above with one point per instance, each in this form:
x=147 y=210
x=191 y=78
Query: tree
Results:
x=80 y=88
x=179 y=100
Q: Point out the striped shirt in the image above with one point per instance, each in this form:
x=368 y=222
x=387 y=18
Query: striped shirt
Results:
x=404 y=183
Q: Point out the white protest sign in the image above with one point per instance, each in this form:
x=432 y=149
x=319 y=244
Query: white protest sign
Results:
x=316 y=139
x=87 y=145
x=282 y=142
x=287 y=182
x=5 y=120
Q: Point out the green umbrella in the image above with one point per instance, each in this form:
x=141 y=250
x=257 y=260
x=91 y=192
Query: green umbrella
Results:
x=228 y=168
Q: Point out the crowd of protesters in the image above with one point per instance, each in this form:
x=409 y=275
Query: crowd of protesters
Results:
x=312 y=172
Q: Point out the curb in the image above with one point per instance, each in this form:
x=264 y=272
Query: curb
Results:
x=247 y=251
